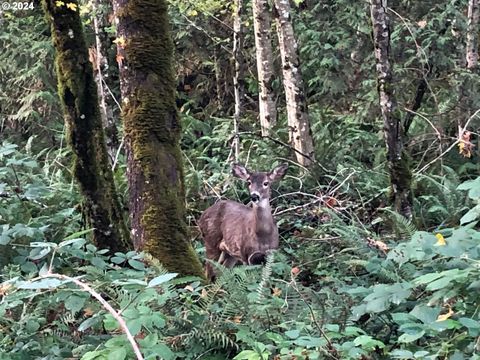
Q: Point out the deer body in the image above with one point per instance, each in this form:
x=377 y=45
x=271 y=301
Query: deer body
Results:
x=233 y=232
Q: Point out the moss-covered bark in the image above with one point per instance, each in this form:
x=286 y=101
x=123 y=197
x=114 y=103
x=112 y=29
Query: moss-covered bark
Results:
x=152 y=134
x=78 y=95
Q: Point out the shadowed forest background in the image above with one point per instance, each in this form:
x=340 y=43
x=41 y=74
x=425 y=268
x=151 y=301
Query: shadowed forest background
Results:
x=119 y=125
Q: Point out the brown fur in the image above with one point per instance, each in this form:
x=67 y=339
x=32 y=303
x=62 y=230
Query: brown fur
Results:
x=233 y=232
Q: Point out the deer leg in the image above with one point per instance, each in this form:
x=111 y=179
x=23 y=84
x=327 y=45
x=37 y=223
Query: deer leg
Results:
x=229 y=260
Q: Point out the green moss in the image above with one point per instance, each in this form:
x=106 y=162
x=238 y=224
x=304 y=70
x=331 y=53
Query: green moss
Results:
x=152 y=130
x=78 y=95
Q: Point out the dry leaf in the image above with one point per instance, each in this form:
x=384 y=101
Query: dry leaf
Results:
x=422 y=23
x=276 y=292
x=445 y=316
x=189 y=288
x=119 y=59
x=380 y=245
x=120 y=41
x=465 y=147
x=72 y=6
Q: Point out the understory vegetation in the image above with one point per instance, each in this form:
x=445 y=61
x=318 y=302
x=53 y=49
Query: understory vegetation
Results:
x=352 y=278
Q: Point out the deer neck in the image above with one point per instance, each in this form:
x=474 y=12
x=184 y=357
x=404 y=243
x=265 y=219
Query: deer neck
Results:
x=263 y=217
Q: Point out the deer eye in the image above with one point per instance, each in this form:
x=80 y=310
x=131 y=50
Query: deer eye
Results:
x=249 y=182
x=265 y=183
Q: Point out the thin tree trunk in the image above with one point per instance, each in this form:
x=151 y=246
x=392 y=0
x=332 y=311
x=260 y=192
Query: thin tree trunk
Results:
x=101 y=71
x=238 y=78
x=299 y=130
x=400 y=173
x=263 y=48
x=78 y=95
x=218 y=80
x=472 y=34
x=152 y=134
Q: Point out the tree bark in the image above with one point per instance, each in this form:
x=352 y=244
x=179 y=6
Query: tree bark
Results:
x=299 y=130
x=101 y=70
x=238 y=78
x=398 y=164
x=78 y=95
x=472 y=34
x=263 y=48
x=152 y=134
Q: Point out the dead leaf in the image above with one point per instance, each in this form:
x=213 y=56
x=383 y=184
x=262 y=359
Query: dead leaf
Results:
x=422 y=23
x=465 y=147
x=444 y=317
x=276 y=292
x=120 y=41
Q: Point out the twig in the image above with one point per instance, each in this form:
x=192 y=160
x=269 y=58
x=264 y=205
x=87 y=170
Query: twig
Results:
x=460 y=133
x=281 y=143
x=105 y=304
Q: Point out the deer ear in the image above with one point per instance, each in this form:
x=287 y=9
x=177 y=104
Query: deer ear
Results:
x=240 y=171
x=278 y=173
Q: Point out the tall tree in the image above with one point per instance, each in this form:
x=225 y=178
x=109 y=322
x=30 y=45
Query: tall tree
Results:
x=263 y=47
x=101 y=67
x=398 y=165
x=239 y=62
x=78 y=95
x=152 y=133
x=472 y=34
x=299 y=130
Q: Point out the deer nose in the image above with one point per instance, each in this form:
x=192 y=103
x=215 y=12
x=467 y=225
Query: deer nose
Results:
x=255 y=197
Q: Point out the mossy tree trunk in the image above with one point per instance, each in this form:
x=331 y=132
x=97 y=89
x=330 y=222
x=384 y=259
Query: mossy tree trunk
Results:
x=152 y=133
x=398 y=164
x=78 y=95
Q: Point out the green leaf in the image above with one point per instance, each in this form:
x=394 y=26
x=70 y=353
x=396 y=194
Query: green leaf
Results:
x=41 y=284
x=163 y=351
x=87 y=324
x=472 y=215
x=401 y=354
x=425 y=314
x=78 y=234
x=137 y=265
x=69 y=242
x=74 y=303
x=117 y=354
x=5 y=239
x=161 y=279
x=411 y=337
x=292 y=334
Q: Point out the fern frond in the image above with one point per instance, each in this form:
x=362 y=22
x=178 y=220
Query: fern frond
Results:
x=403 y=227
x=266 y=275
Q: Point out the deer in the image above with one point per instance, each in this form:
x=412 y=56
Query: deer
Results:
x=236 y=233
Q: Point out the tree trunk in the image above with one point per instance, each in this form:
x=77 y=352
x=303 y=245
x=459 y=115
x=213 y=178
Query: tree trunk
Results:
x=299 y=130
x=472 y=34
x=101 y=71
x=78 y=95
x=398 y=164
x=263 y=47
x=152 y=134
x=238 y=78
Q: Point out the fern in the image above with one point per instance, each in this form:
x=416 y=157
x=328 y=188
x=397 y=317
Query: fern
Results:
x=403 y=227
x=266 y=275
